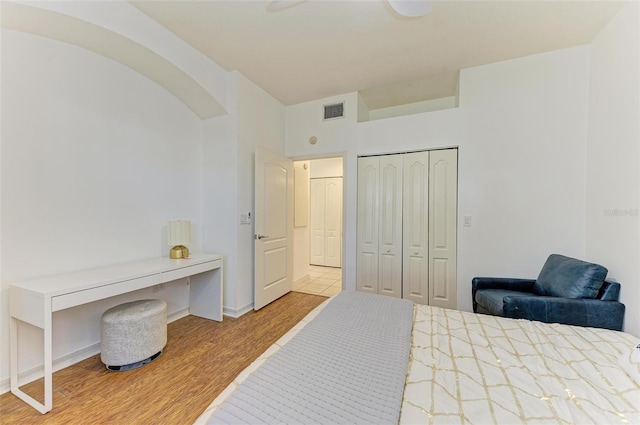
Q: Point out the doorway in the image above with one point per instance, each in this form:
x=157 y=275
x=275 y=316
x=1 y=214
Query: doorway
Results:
x=318 y=226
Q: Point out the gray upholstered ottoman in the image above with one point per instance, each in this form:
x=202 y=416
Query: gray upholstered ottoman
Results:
x=133 y=334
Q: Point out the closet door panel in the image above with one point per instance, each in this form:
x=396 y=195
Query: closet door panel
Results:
x=367 y=225
x=333 y=221
x=367 y=280
x=388 y=278
x=441 y=290
x=415 y=276
x=413 y=280
x=443 y=187
x=391 y=225
x=316 y=255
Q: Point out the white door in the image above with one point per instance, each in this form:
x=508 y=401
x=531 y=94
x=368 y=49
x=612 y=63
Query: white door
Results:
x=317 y=206
x=367 y=225
x=443 y=187
x=333 y=222
x=415 y=228
x=273 y=227
x=390 y=254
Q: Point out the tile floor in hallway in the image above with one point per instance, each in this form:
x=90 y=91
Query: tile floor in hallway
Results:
x=325 y=281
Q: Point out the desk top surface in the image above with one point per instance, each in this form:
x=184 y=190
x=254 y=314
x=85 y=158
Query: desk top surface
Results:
x=86 y=279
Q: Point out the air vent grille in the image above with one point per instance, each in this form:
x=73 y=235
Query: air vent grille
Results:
x=335 y=110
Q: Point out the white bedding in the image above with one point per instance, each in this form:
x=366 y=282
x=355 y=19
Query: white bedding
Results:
x=479 y=369
x=473 y=368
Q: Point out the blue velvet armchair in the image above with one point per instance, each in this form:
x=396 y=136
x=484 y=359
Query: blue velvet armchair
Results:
x=567 y=291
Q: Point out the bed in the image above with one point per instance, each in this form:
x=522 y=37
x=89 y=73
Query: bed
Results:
x=444 y=366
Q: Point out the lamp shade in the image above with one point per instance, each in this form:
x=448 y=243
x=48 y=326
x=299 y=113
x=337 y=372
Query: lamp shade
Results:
x=179 y=232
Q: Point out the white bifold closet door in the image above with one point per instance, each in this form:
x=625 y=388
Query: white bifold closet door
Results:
x=367 y=224
x=415 y=236
x=443 y=213
x=406 y=243
x=379 y=261
x=326 y=221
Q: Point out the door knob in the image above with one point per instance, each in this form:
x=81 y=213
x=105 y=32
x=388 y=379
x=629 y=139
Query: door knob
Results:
x=388 y=250
x=258 y=237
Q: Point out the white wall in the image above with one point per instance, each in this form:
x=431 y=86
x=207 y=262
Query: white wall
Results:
x=220 y=195
x=521 y=133
x=255 y=120
x=326 y=167
x=260 y=125
x=95 y=160
x=301 y=236
x=120 y=31
x=522 y=165
x=613 y=157
x=305 y=120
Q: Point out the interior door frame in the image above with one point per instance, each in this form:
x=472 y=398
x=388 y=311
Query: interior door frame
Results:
x=343 y=156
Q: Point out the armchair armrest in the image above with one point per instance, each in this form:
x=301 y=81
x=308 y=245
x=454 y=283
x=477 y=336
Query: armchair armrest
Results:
x=580 y=312
x=523 y=285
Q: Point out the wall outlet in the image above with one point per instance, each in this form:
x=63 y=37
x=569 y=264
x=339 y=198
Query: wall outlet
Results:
x=466 y=221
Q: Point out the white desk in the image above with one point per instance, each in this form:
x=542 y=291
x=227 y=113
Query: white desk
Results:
x=35 y=301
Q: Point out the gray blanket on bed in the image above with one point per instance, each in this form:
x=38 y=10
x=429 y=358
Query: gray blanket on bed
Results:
x=347 y=366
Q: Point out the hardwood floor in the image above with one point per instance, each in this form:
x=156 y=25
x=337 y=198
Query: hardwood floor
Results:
x=201 y=358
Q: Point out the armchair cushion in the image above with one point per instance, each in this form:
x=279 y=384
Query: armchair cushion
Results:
x=491 y=300
x=569 y=278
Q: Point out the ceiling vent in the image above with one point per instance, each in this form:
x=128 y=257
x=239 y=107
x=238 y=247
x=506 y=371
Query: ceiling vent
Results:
x=335 y=110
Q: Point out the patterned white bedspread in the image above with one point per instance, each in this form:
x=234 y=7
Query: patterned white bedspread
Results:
x=468 y=368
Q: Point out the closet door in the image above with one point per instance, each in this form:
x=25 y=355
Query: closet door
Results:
x=443 y=188
x=333 y=221
x=390 y=242
x=406 y=241
x=317 y=248
x=415 y=222
x=367 y=225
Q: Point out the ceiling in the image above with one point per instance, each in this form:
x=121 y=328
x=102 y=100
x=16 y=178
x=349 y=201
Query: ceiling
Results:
x=320 y=48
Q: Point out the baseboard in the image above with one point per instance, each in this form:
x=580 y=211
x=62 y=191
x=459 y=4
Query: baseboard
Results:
x=235 y=313
x=177 y=315
x=37 y=372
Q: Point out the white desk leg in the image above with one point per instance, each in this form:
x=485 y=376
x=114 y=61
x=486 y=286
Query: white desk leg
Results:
x=13 y=359
x=13 y=352
x=205 y=294
x=48 y=360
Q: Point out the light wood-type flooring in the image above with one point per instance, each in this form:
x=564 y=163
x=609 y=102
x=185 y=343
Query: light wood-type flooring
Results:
x=201 y=358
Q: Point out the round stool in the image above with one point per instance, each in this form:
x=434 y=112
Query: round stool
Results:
x=133 y=334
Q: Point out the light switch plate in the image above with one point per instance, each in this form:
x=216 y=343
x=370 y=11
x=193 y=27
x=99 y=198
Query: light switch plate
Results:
x=245 y=218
